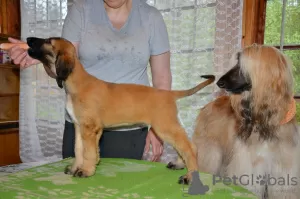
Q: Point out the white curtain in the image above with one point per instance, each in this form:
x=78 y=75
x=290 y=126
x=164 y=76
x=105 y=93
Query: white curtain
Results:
x=41 y=101
x=203 y=35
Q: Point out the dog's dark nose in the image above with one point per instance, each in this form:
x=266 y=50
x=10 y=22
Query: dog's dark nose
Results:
x=35 y=42
x=221 y=84
x=31 y=40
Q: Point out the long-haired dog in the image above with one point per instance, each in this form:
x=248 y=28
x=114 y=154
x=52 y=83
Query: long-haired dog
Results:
x=250 y=137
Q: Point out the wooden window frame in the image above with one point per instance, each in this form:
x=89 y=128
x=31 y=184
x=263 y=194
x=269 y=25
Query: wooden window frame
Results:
x=254 y=16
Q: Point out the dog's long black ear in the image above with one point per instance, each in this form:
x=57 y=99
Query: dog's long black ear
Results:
x=59 y=83
x=64 y=66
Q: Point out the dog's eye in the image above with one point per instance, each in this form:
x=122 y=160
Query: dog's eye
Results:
x=47 y=41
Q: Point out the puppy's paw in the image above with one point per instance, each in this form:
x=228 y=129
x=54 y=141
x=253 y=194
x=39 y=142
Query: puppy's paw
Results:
x=184 y=180
x=98 y=162
x=69 y=170
x=81 y=173
x=175 y=166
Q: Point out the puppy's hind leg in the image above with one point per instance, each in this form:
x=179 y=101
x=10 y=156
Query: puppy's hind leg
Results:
x=174 y=134
x=179 y=163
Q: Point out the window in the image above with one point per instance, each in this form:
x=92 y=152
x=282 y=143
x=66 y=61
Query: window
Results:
x=191 y=28
x=276 y=23
x=286 y=35
x=43 y=19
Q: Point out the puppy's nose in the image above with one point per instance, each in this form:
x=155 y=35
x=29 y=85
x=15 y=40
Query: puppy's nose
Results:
x=30 y=40
x=221 y=84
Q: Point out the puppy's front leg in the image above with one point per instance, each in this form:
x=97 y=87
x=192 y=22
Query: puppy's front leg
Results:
x=71 y=169
x=98 y=136
x=90 y=154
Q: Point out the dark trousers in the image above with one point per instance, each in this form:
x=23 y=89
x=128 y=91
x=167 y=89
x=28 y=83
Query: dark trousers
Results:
x=113 y=144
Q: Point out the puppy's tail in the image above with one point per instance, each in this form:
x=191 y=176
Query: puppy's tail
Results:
x=185 y=93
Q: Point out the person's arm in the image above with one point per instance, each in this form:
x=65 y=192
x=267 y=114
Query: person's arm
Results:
x=161 y=79
x=161 y=71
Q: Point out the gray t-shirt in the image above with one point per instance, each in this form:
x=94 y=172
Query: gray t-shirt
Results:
x=113 y=55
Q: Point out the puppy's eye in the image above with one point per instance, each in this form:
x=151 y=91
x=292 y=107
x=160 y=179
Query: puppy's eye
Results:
x=47 y=41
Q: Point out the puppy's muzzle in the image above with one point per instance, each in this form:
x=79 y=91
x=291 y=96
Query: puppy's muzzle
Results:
x=35 y=45
x=34 y=42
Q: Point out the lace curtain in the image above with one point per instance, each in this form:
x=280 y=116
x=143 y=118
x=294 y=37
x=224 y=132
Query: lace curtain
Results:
x=41 y=101
x=203 y=35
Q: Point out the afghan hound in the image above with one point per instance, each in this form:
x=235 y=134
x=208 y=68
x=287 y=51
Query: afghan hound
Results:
x=250 y=137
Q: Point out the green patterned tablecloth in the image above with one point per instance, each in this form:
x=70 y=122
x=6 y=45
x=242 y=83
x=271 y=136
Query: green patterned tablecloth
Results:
x=115 y=178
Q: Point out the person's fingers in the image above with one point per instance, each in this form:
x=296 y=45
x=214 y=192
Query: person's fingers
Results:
x=12 y=50
x=156 y=144
x=24 y=63
x=154 y=157
x=156 y=151
x=13 y=40
x=161 y=150
x=147 y=146
x=20 y=58
x=153 y=153
x=28 y=61
x=15 y=52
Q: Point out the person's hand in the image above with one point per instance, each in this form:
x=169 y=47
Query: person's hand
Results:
x=19 y=55
x=157 y=145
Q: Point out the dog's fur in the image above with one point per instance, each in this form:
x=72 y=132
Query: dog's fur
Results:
x=241 y=134
x=94 y=104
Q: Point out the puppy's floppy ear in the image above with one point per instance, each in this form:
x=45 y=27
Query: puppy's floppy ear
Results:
x=64 y=66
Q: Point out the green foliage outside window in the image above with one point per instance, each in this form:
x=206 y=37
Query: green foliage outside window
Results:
x=298 y=112
x=291 y=32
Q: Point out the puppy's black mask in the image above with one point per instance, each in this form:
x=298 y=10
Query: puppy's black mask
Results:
x=45 y=51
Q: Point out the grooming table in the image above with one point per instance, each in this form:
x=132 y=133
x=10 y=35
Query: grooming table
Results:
x=114 y=178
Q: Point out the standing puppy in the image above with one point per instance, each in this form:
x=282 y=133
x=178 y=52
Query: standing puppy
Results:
x=252 y=135
x=94 y=104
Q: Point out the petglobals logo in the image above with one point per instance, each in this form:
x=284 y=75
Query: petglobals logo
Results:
x=256 y=180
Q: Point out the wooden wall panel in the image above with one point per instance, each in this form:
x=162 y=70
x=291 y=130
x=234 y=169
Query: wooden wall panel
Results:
x=253 y=22
x=9 y=107
x=9 y=93
x=9 y=81
x=10 y=23
x=10 y=19
x=14 y=18
x=3 y=17
x=9 y=147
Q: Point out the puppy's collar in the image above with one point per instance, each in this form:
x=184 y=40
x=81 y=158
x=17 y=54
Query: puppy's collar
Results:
x=291 y=112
